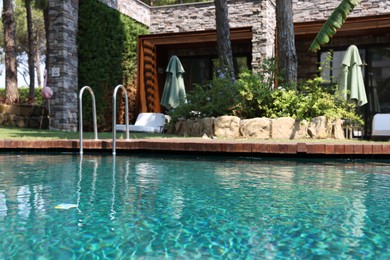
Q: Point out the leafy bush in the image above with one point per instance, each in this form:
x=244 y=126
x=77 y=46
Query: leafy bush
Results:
x=254 y=89
x=252 y=95
x=219 y=97
x=23 y=95
x=309 y=100
x=244 y=97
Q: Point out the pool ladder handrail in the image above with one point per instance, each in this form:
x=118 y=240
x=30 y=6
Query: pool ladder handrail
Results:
x=81 y=115
x=114 y=116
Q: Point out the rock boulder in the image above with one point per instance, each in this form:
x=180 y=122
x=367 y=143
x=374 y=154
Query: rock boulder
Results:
x=255 y=128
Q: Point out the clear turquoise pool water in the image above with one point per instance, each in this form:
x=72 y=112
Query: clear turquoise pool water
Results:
x=155 y=207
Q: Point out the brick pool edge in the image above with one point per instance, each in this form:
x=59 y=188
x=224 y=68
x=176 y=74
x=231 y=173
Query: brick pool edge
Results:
x=208 y=146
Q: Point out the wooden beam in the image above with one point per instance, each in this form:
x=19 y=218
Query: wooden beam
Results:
x=196 y=37
x=354 y=26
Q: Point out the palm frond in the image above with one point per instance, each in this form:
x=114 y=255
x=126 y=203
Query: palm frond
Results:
x=334 y=22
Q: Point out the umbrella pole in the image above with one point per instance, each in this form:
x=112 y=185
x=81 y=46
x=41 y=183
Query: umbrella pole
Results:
x=43 y=112
x=48 y=114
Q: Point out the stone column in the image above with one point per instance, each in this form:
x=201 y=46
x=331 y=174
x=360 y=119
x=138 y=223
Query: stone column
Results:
x=263 y=42
x=63 y=64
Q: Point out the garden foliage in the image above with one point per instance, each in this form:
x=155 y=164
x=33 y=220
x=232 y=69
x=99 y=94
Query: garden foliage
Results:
x=253 y=95
x=23 y=95
x=107 y=48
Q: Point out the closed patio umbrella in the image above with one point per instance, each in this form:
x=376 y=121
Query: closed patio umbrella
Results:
x=174 y=90
x=351 y=83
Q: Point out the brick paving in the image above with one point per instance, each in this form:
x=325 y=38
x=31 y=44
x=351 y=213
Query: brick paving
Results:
x=336 y=149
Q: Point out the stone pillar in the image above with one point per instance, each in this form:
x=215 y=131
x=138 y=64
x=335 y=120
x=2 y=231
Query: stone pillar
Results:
x=63 y=64
x=263 y=42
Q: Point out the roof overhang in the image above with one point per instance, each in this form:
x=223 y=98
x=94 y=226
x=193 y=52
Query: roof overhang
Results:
x=194 y=37
x=354 y=26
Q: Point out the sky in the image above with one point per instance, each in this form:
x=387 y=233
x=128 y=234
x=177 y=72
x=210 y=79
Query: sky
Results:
x=21 y=81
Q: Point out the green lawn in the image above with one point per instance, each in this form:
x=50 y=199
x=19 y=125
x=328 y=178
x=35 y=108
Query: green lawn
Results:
x=35 y=134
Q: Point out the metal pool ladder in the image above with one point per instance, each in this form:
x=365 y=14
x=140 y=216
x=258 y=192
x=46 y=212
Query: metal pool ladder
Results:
x=81 y=115
x=114 y=116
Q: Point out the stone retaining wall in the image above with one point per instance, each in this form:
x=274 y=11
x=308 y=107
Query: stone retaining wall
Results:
x=24 y=116
x=259 y=128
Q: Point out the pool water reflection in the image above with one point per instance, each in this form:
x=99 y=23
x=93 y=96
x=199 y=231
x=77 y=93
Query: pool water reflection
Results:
x=188 y=207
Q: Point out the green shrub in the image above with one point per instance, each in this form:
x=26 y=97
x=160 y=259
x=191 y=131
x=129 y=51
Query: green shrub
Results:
x=244 y=97
x=2 y=94
x=310 y=100
x=23 y=95
x=255 y=89
x=218 y=97
x=252 y=95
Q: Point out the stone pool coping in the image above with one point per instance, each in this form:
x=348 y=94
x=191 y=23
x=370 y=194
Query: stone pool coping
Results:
x=251 y=148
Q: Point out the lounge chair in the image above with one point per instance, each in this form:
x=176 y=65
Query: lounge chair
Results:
x=381 y=125
x=147 y=122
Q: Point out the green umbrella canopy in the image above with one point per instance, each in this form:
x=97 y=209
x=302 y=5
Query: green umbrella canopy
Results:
x=351 y=83
x=174 y=90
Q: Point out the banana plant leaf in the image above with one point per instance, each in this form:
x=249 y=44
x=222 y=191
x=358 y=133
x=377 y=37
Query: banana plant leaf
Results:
x=334 y=22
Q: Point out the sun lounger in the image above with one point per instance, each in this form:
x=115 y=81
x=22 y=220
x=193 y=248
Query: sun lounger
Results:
x=381 y=125
x=147 y=122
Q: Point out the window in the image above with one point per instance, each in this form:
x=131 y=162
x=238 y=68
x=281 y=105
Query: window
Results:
x=378 y=78
x=200 y=69
x=376 y=73
x=331 y=63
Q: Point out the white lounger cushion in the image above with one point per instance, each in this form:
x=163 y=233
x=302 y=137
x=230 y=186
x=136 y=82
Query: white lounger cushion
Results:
x=381 y=125
x=146 y=122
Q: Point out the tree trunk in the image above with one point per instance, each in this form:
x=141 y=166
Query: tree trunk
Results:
x=31 y=51
x=11 y=79
x=286 y=55
x=46 y=19
x=225 y=53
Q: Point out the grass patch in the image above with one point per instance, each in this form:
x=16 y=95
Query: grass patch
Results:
x=35 y=134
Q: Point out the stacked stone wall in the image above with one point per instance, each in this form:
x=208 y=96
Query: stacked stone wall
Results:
x=63 y=63
x=132 y=8
x=317 y=10
x=24 y=116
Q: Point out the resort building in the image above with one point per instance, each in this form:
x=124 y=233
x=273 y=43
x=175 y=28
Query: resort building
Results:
x=188 y=31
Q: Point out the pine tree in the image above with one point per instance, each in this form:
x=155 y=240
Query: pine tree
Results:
x=286 y=56
x=11 y=79
x=225 y=53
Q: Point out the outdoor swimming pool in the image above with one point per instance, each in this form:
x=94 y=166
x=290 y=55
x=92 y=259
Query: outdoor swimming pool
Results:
x=64 y=206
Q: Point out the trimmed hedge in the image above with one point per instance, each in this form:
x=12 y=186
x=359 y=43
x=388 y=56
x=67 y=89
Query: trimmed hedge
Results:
x=23 y=95
x=107 y=50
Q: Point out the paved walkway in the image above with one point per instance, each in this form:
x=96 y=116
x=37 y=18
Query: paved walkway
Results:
x=328 y=148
